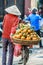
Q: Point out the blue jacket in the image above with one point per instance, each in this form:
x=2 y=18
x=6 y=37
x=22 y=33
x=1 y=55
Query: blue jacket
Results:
x=34 y=20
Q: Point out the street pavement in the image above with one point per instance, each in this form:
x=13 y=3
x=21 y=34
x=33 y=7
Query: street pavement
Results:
x=35 y=57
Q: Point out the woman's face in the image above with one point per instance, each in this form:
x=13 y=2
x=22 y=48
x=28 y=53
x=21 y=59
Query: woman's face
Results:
x=39 y=10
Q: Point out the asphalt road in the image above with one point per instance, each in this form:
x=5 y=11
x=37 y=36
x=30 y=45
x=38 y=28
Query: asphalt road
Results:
x=35 y=58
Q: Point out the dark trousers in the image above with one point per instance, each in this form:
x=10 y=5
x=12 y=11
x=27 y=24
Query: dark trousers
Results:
x=7 y=43
x=38 y=32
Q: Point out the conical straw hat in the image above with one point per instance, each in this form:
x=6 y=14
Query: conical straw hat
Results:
x=13 y=10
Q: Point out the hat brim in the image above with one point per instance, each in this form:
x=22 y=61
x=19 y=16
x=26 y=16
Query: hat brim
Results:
x=13 y=10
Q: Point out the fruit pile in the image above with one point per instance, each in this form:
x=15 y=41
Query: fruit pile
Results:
x=25 y=32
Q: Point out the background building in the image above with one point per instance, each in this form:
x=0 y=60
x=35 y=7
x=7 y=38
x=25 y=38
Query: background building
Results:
x=23 y=5
x=34 y=3
x=6 y=3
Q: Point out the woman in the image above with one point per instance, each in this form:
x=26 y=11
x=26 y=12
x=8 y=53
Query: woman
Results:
x=10 y=24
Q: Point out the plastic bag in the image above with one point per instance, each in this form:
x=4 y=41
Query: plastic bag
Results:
x=17 y=50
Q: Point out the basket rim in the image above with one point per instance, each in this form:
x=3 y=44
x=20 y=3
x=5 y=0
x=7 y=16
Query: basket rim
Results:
x=27 y=40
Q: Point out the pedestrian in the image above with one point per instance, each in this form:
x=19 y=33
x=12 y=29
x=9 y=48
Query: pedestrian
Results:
x=28 y=11
x=34 y=21
x=10 y=19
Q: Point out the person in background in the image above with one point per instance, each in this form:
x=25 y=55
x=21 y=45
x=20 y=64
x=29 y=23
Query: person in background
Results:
x=40 y=11
x=34 y=21
x=11 y=19
x=28 y=11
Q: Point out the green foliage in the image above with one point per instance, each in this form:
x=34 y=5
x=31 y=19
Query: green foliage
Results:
x=41 y=1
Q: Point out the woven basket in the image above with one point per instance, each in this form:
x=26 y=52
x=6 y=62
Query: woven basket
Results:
x=25 y=42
